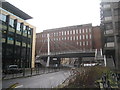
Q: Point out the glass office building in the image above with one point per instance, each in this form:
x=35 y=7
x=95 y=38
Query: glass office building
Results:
x=18 y=37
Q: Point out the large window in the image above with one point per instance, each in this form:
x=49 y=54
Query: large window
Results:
x=86 y=36
x=108 y=26
x=24 y=29
x=11 y=22
x=3 y=17
x=10 y=38
x=73 y=31
x=110 y=39
x=18 y=26
x=107 y=13
x=83 y=37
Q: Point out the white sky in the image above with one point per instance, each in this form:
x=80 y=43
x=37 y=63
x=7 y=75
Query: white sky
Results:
x=48 y=14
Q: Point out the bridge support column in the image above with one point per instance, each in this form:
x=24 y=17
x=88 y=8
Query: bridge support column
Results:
x=79 y=61
x=48 y=60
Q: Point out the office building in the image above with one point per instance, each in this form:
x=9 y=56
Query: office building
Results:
x=18 y=37
x=110 y=24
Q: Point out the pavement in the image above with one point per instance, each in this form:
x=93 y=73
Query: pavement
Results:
x=28 y=73
x=48 y=80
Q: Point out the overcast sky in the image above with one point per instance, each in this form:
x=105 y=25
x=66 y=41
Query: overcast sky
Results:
x=48 y=14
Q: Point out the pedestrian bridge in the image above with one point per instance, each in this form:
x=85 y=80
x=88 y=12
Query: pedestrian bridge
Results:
x=69 y=54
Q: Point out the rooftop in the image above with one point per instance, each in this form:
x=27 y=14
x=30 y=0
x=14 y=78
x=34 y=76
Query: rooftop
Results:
x=14 y=10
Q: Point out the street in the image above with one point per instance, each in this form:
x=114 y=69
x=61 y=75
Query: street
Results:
x=49 y=80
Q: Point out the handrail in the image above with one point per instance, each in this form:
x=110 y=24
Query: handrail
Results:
x=68 y=52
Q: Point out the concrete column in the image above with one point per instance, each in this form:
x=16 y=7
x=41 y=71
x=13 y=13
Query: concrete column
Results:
x=48 y=60
x=105 y=60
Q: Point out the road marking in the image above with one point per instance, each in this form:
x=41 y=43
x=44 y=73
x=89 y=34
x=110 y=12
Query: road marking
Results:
x=19 y=86
x=13 y=85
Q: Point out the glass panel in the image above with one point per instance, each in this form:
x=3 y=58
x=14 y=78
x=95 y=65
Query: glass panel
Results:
x=11 y=22
x=18 y=26
x=3 y=17
x=108 y=26
x=110 y=39
x=10 y=38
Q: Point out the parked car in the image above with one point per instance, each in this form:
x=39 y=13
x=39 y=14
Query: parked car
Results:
x=12 y=69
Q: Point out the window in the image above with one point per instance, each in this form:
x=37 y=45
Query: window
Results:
x=62 y=32
x=83 y=43
x=77 y=31
x=73 y=31
x=11 y=22
x=18 y=26
x=24 y=27
x=68 y=38
x=56 y=33
x=68 y=32
x=71 y=38
x=80 y=30
x=89 y=30
x=86 y=36
x=77 y=43
x=107 y=13
x=3 y=17
x=65 y=32
x=65 y=38
x=80 y=37
x=117 y=12
x=86 y=30
x=59 y=33
x=76 y=37
x=29 y=32
x=87 y=43
x=83 y=30
x=80 y=43
x=108 y=26
x=117 y=25
x=110 y=39
x=90 y=36
x=10 y=38
x=83 y=37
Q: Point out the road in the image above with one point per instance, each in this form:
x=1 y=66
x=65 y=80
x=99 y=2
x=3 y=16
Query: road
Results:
x=49 y=80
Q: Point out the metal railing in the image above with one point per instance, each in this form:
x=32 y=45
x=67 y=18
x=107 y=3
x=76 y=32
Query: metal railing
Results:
x=68 y=52
x=27 y=72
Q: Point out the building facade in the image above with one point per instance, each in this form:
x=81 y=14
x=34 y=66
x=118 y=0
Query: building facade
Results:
x=110 y=24
x=71 y=38
x=18 y=37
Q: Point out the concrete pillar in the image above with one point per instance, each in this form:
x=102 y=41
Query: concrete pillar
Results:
x=48 y=60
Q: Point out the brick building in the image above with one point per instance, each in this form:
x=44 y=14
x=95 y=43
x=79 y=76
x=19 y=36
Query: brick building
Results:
x=71 y=38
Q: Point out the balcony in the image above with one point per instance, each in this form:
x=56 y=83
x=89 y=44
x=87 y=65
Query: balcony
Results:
x=108 y=32
x=110 y=44
x=108 y=18
x=107 y=6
